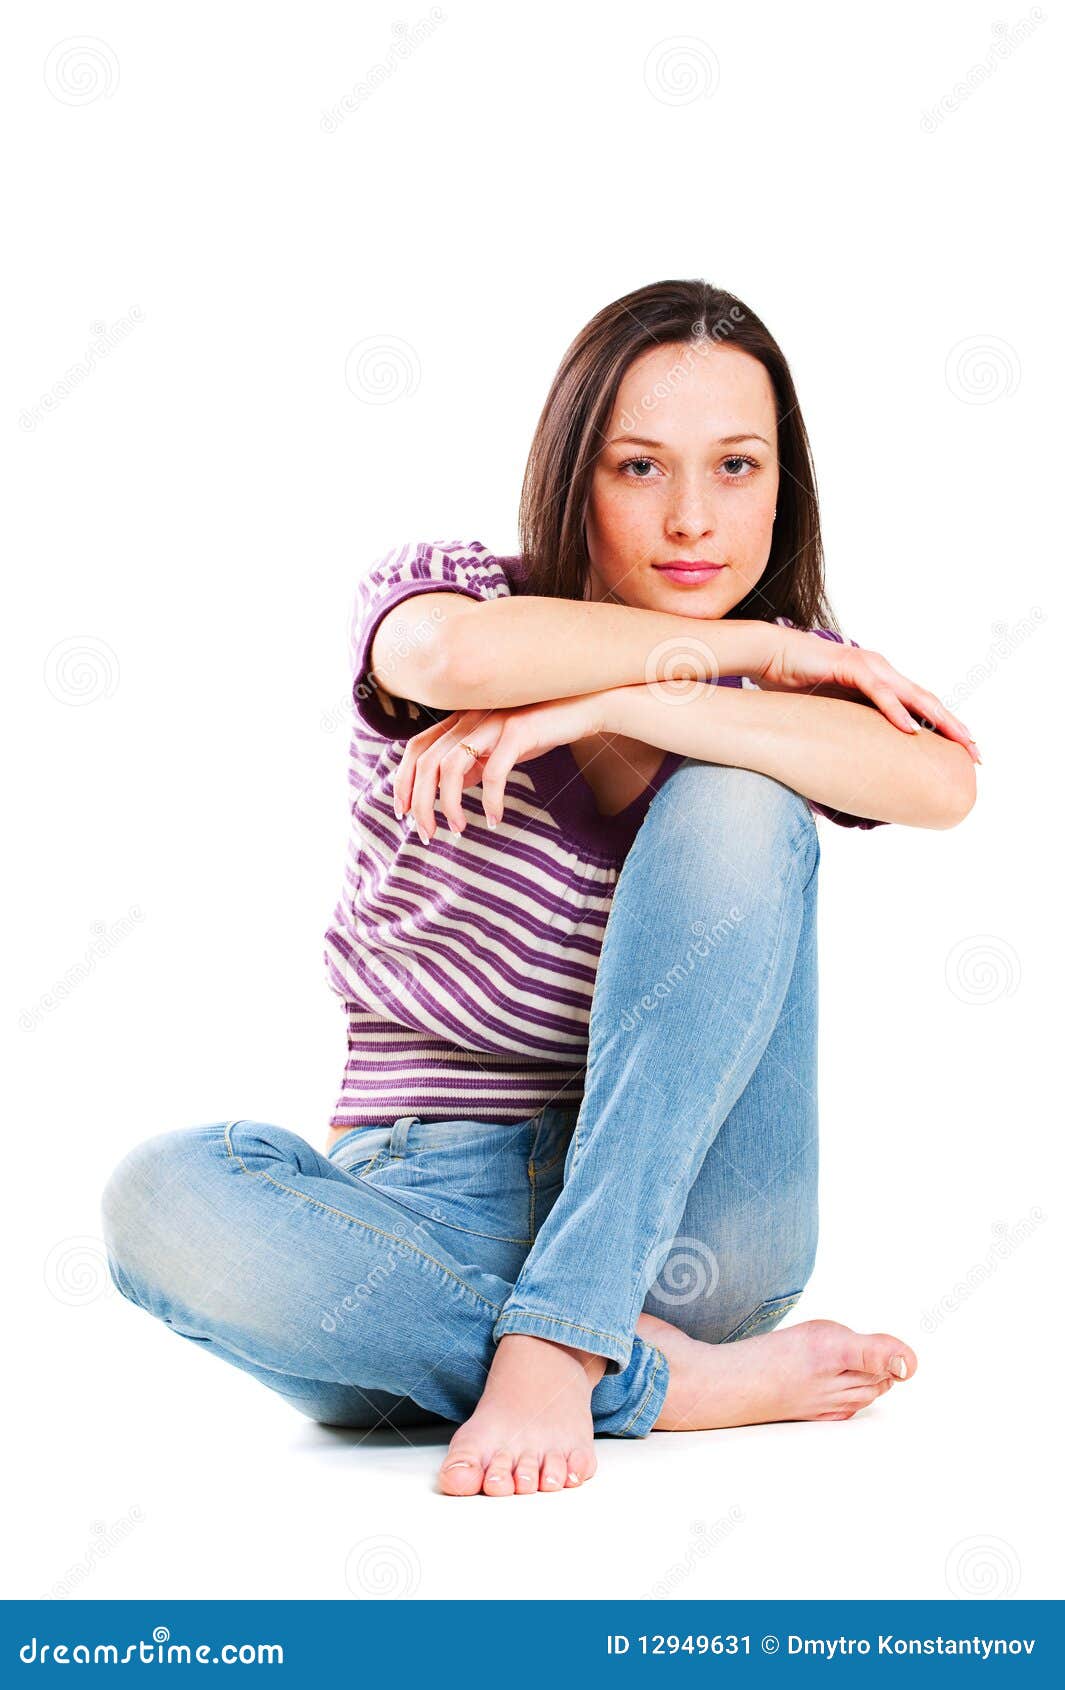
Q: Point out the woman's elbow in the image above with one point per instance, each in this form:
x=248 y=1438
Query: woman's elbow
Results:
x=428 y=661
x=956 y=789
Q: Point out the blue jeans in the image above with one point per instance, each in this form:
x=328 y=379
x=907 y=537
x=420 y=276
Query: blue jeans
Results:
x=369 y=1286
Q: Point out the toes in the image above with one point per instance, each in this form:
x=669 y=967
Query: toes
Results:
x=580 y=1466
x=862 y=1395
x=883 y=1353
x=527 y=1473
x=499 y=1475
x=461 y=1473
x=836 y=1347
x=553 y=1472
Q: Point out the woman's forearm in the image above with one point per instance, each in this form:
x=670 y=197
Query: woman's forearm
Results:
x=844 y=755
x=528 y=650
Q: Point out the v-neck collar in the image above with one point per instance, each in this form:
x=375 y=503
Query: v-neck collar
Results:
x=566 y=793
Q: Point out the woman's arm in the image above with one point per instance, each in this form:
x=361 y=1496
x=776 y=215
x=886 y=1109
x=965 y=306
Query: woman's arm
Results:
x=843 y=755
x=531 y=649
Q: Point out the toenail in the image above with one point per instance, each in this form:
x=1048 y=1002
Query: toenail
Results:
x=451 y=1464
x=550 y=1481
x=495 y=1478
x=575 y=1476
x=898 y=1367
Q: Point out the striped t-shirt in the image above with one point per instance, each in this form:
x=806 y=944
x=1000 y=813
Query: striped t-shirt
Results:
x=466 y=966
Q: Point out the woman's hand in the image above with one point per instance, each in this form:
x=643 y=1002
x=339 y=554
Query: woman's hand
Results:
x=434 y=761
x=806 y=662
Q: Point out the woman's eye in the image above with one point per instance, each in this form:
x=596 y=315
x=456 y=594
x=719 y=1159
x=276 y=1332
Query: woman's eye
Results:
x=643 y=463
x=737 y=473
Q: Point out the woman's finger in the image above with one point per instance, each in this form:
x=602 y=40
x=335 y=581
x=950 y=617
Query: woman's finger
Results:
x=888 y=704
x=424 y=792
x=454 y=766
x=498 y=766
x=934 y=712
x=403 y=777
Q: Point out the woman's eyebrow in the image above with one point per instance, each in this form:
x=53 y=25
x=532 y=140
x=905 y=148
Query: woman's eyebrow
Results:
x=723 y=440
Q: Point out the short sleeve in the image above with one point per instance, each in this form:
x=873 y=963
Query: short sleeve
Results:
x=841 y=817
x=423 y=566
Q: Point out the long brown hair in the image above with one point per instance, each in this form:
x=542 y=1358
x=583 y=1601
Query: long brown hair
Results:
x=572 y=428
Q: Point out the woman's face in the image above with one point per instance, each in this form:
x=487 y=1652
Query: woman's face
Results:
x=688 y=475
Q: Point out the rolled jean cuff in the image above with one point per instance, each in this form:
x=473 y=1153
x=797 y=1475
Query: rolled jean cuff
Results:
x=616 y=1349
x=640 y=1393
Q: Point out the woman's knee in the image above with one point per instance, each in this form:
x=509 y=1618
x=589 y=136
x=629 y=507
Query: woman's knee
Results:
x=761 y=816
x=719 y=1295
x=154 y=1203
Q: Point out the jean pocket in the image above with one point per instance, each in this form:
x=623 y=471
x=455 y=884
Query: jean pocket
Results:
x=358 y=1150
x=763 y=1319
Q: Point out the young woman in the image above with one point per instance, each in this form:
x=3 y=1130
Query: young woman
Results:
x=570 y=1183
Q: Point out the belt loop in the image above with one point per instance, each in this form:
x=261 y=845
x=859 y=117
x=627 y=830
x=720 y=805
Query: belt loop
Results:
x=397 y=1144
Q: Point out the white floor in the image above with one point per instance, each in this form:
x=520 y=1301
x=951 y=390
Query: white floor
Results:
x=161 y=1472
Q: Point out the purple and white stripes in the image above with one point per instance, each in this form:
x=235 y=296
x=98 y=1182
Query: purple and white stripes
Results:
x=466 y=966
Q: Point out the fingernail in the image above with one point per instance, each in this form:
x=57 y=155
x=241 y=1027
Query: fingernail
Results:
x=897 y=1366
x=915 y=727
x=422 y=835
x=492 y=820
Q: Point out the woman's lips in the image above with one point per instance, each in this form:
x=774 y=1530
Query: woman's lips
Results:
x=689 y=573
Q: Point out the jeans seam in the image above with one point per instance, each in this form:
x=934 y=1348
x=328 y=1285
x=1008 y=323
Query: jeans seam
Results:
x=353 y=1220
x=784 y=1304
x=659 y=1359
x=544 y=1167
x=560 y=1320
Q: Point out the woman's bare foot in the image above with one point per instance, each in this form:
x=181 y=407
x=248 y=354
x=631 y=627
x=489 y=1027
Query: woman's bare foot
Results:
x=818 y=1370
x=532 y=1429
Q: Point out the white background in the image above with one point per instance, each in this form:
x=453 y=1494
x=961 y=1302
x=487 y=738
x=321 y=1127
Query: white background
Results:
x=192 y=517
